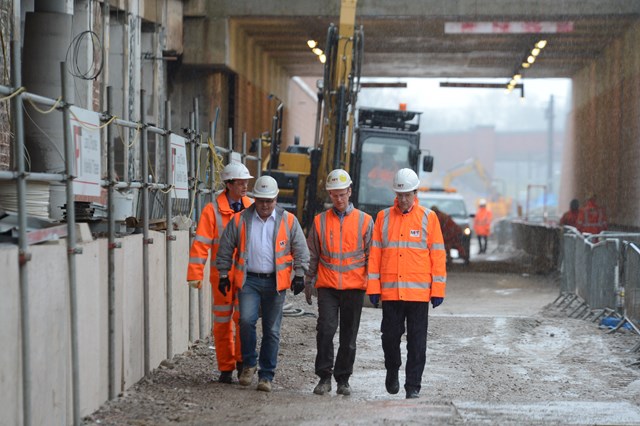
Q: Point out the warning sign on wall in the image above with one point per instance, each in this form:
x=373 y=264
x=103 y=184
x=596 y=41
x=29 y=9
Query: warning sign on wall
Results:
x=179 y=170
x=86 y=139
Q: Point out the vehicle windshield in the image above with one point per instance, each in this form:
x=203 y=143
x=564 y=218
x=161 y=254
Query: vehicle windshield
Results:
x=381 y=159
x=454 y=208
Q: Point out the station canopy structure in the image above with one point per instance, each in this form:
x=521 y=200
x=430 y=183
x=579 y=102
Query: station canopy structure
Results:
x=443 y=39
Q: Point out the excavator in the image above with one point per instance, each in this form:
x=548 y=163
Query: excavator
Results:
x=497 y=203
x=371 y=148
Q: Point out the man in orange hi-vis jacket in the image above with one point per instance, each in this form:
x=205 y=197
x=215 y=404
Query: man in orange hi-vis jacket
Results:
x=591 y=217
x=407 y=269
x=339 y=243
x=482 y=224
x=214 y=218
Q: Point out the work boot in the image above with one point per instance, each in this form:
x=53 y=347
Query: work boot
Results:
x=247 y=375
x=323 y=386
x=391 y=382
x=225 y=377
x=264 y=385
x=413 y=393
x=344 y=388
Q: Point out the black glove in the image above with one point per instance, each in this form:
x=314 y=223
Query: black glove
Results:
x=374 y=299
x=224 y=285
x=297 y=285
x=436 y=301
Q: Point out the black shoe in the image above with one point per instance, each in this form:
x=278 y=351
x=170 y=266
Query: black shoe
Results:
x=239 y=368
x=225 y=377
x=413 y=393
x=343 y=389
x=323 y=386
x=391 y=382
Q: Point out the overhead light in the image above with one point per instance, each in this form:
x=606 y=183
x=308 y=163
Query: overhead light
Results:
x=535 y=52
x=526 y=65
x=541 y=44
x=517 y=77
x=322 y=58
x=317 y=51
x=531 y=59
x=312 y=43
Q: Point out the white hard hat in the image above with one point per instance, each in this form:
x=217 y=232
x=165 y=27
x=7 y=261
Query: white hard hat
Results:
x=338 y=179
x=405 y=180
x=482 y=202
x=265 y=187
x=235 y=170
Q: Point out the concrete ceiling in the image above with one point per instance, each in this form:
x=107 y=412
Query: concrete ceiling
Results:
x=416 y=45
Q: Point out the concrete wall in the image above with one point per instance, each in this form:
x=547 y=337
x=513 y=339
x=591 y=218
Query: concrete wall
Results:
x=48 y=292
x=606 y=145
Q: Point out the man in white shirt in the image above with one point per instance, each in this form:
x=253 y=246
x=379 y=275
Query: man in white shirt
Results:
x=266 y=245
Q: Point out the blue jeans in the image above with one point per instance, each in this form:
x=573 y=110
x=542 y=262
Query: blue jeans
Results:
x=261 y=294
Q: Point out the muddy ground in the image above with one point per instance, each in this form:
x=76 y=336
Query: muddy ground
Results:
x=499 y=352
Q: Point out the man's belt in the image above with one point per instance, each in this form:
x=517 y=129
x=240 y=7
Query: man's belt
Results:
x=262 y=275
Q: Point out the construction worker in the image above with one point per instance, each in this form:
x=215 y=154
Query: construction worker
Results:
x=570 y=217
x=407 y=269
x=592 y=218
x=451 y=233
x=266 y=246
x=482 y=224
x=214 y=218
x=339 y=243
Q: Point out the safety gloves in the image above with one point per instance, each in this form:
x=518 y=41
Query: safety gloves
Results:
x=374 y=299
x=224 y=285
x=195 y=284
x=436 y=301
x=308 y=290
x=297 y=285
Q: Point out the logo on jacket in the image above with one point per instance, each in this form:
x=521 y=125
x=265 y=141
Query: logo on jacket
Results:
x=282 y=244
x=414 y=233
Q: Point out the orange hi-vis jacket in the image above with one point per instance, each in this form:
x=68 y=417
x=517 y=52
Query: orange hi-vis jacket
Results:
x=339 y=249
x=407 y=260
x=482 y=222
x=591 y=218
x=291 y=251
x=213 y=220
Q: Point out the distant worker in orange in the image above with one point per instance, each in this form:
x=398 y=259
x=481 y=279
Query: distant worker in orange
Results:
x=482 y=224
x=591 y=218
x=213 y=220
x=570 y=218
x=451 y=233
x=385 y=169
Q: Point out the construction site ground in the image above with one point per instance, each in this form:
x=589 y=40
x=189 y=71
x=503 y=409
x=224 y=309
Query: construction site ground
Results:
x=499 y=352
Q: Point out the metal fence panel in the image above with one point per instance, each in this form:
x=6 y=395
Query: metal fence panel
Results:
x=604 y=259
x=632 y=281
x=582 y=269
x=569 y=243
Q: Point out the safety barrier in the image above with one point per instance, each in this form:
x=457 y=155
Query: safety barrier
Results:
x=632 y=280
x=601 y=277
x=134 y=292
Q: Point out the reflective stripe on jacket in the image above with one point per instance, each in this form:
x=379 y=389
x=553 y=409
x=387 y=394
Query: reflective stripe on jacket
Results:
x=482 y=221
x=407 y=259
x=591 y=218
x=290 y=248
x=213 y=220
x=339 y=249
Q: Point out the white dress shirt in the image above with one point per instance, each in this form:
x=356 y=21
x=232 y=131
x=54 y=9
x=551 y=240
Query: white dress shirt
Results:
x=261 y=245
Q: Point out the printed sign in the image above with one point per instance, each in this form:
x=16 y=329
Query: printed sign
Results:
x=86 y=138
x=179 y=172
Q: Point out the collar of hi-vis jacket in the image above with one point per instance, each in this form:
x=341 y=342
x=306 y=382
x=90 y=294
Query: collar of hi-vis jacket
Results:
x=416 y=202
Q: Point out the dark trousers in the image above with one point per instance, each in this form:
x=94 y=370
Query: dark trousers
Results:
x=345 y=306
x=416 y=315
x=482 y=242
